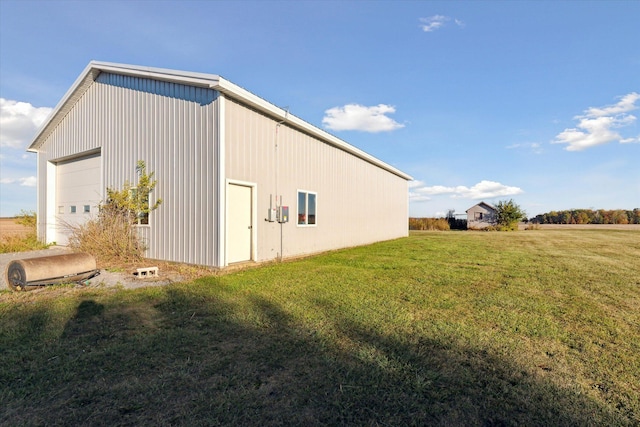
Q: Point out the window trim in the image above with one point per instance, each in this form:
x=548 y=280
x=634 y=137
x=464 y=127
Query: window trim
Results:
x=306 y=208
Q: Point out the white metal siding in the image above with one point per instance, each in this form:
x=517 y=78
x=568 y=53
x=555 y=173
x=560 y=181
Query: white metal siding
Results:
x=357 y=202
x=169 y=126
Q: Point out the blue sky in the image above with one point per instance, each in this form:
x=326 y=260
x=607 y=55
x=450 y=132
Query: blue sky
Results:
x=478 y=100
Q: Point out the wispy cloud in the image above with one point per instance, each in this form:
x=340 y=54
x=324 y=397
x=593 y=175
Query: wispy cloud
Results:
x=534 y=147
x=418 y=191
x=597 y=126
x=19 y=121
x=435 y=22
x=29 y=181
x=414 y=191
x=359 y=117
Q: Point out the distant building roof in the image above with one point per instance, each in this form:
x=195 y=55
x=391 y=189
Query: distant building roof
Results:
x=485 y=204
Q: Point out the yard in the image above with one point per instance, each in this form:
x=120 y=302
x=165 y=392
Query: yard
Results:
x=534 y=327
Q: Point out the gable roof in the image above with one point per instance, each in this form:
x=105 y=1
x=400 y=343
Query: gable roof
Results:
x=485 y=204
x=211 y=81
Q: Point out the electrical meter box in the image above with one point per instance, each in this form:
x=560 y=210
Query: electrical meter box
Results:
x=283 y=214
x=271 y=216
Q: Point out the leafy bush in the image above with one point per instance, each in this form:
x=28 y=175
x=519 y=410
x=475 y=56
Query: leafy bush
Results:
x=508 y=214
x=28 y=219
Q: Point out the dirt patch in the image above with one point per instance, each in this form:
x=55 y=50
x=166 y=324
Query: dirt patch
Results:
x=117 y=277
x=10 y=228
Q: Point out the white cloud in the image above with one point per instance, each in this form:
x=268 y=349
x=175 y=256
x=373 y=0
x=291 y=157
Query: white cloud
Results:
x=435 y=22
x=597 y=125
x=19 y=122
x=414 y=196
x=29 y=181
x=626 y=104
x=359 y=117
x=482 y=190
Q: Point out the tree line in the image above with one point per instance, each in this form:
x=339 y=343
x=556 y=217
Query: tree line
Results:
x=589 y=216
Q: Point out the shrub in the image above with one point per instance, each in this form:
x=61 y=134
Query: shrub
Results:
x=112 y=237
x=438 y=224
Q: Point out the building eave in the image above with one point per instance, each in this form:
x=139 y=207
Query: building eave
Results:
x=212 y=81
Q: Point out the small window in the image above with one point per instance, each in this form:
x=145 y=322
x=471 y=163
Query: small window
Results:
x=307 y=208
x=60 y=209
x=87 y=208
x=72 y=209
x=478 y=216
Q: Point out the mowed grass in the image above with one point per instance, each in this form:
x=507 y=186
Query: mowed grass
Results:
x=440 y=328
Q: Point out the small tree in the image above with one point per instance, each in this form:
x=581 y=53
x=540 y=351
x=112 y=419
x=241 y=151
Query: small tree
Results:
x=508 y=214
x=112 y=237
x=134 y=199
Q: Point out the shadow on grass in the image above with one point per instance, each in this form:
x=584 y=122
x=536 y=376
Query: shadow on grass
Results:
x=190 y=358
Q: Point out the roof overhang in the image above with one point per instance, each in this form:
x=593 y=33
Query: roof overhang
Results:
x=211 y=81
x=482 y=204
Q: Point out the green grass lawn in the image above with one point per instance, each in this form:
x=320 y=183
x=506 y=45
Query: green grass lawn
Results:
x=531 y=328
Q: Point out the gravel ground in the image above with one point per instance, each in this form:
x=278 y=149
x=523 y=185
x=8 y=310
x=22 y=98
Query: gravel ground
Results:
x=105 y=279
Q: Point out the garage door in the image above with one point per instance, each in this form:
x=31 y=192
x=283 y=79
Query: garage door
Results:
x=78 y=193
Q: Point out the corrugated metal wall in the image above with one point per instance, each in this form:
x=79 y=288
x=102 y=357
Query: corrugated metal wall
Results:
x=169 y=126
x=357 y=202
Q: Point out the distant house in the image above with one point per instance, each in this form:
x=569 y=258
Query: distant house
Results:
x=481 y=215
x=231 y=169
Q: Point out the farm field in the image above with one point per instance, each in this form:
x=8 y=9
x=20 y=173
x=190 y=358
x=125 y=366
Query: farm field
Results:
x=534 y=327
x=9 y=227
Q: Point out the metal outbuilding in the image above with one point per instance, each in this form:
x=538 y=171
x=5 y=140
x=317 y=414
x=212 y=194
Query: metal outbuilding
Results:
x=228 y=164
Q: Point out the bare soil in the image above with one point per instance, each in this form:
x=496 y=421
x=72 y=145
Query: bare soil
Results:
x=117 y=277
x=9 y=227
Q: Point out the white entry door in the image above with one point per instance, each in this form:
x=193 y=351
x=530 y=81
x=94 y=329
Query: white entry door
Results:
x=239 y=223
